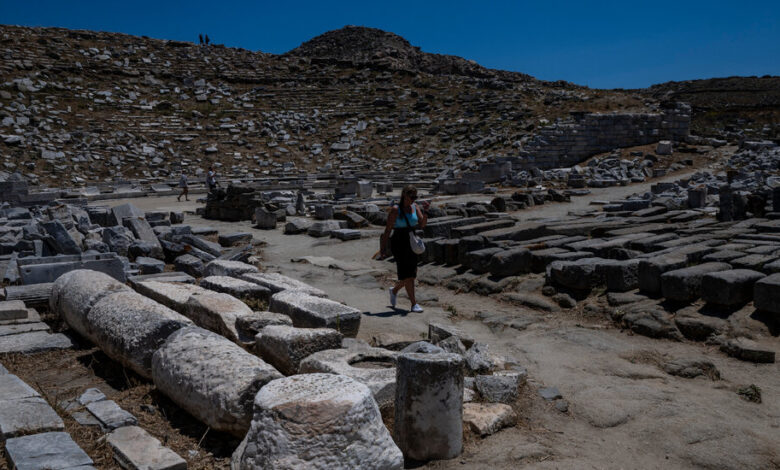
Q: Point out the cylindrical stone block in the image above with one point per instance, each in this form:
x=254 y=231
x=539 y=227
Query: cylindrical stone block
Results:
x=76 y=292
x=429 y=405
x=317 y=422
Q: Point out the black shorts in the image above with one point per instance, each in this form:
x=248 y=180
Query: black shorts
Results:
x=405 y=258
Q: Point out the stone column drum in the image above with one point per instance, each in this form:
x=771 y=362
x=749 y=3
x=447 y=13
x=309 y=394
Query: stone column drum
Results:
x=429 y=405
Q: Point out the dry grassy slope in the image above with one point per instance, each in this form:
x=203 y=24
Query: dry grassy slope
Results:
x=153 y=103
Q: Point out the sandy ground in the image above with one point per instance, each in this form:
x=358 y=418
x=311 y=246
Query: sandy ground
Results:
x=624 y=411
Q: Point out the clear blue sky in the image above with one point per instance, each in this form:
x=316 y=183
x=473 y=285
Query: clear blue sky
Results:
x=603 y=44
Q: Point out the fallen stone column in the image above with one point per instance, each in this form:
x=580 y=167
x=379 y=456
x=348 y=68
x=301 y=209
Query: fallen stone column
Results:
x=429 y=405
x=210 y=377
x=317 y=421
x=74 y=293
x=129 y=328
x=308 y=311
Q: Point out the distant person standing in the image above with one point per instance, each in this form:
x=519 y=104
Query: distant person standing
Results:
x=185 y=187
x=211 y=179
x=200 y=39
x=207 y=40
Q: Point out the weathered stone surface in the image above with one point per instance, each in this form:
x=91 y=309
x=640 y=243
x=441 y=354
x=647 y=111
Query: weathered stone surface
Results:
x=149 y=265
x=502 y=387
x=488 y=418
x=29 y=415
x=748 y=350
x=510 y=262
x=308 y=311
x=766 y=294
x=276 y=282
x=622 y=276
x=216 y=312
x=210 y=377
x=582 y=274
x=374 y=367
x=285 y=347
x=727 y=288
x=265 y=219
x=110 y=415
x=317 y=421
x=429 y=406
x=479 y=359
x=699 y=327
x=684 y=285
x=249 y=325
x=440 y=331
x=136 y=449
x=50 y=450
x=34 y=342
x=12 y=310
x=129 y=328
x=220 y=267
x=650 y=271
x=190 y=265
x=422 y=347
x=323 y=228
x=691 y=367
x=236 y=287
x=91 y=395
x=75 y=293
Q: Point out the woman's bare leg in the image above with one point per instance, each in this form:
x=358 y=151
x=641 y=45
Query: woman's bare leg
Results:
x=409 y=283
x=398 y=286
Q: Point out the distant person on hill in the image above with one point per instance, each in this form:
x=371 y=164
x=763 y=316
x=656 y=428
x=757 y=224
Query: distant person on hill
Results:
x=200 y=39
x=404 y=217
x=185 y=187
x=211 y=179
x=207 y=40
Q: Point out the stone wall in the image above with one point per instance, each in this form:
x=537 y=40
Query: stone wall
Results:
x=569 y=142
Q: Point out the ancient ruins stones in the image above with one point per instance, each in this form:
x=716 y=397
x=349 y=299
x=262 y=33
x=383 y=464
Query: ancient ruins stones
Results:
x=429 y=405
x=212 y=378
x=129 y=328
x=300 y=422
x=308 y=311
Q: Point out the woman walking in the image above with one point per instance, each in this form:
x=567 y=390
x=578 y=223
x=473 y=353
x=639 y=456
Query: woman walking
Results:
x=404 y=218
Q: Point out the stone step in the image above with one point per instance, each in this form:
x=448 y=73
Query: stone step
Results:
x=136 y=449
x=34 y=342
x=50 y=450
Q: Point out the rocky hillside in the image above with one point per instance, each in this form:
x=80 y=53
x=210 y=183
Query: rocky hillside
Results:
x=750 y=104
x=360 y=46
x=82 y=108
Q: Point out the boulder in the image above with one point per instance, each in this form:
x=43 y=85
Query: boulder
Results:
x=236 y=287
x=276 y=282
x=729 y=288
x=766 y=294
x=510 y=262
x=318 y=422
x=285 y=347
x=485 y=419
x=308 y=311
x=211 y=378
x=217 y=312
x=220 y=267
x=684 y=285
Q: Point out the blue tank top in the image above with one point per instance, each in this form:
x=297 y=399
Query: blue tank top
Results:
x=400 y=221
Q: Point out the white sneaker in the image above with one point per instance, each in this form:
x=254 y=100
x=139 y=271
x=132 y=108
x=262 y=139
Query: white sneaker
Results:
x=392 y=297
x=416 y=308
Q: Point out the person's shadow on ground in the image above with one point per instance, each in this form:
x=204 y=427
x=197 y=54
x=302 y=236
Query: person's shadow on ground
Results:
x=390 y=313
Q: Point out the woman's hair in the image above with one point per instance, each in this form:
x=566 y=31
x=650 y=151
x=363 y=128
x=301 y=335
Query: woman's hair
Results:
x=408 y=190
